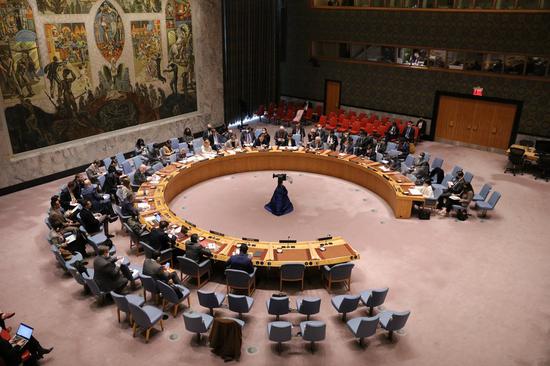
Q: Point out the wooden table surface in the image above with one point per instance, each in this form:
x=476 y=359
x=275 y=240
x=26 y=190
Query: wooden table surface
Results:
x=177 y=177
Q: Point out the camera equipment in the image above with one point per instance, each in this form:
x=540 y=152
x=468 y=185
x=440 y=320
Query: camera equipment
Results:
x=281 y=176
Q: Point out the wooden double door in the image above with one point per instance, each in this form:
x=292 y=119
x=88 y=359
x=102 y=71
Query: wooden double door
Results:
x=475 y=121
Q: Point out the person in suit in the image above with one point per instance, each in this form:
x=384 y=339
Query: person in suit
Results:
x=247 y=137
x=127 y=207
x=188 y=138
x=332 y=140
x=152 y=268
x=312 y=134
x=241 y=261
x=261 y=142
x=422 y=172
x=112 y=180
x=299 y=129
x=107 y=274
x=321 y=132
x=11 y=353
x=57 y=216
x=195 y=251
x=361 y=144
x=281 y=136
x=381 y=146
x=456 y=187
x=93 y=171
x=290 y=142
x=207 y=134
x=57 y=238
x=346 y=145
x=393 y=132
x=408 y=132
x=70 y=195
x=141 y=176
x=317 y=144
x=159 y=239
x=99 y=203
x=124 y=190
x=464 y=199
x=232 y=142
x=92 y=222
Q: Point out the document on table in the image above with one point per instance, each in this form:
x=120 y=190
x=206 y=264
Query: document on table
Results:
x=384 y=168
x=415 y=192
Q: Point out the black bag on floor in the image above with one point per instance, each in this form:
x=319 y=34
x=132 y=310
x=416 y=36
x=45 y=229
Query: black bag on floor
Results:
x=424 y=214
x=462 y=215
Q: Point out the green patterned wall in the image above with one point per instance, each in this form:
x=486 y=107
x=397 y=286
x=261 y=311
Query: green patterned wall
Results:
x=412 y=91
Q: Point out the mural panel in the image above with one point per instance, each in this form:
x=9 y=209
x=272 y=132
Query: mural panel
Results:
x=64 y=6
x=109 y=32
x=20 y=72
x=147 y=50
x=62 y=102
x=140 y=6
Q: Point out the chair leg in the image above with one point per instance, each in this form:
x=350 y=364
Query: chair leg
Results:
x=371 y=309
x=161 y=324
x=163 y=304
x=390 y=335
x=176 y=309
x=134 y=328
x=147 y=333
x=312 y=346
x=189 y=301
x=144 y=295
x=361 y=341
x=344 y=316
x=118 y=314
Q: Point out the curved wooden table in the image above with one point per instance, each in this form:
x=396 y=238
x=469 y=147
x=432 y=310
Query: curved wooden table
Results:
x=177 y=177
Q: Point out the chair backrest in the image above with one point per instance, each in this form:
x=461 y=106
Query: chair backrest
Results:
x=107 y=162
x=120 y=301
x=151 y=146
x=278 y=305
x=149 y=283
x=341 y=271
x=236 y=277
x=349 y=303
x=120 y=158
x=437 y=163
x=280 y=331
x=367 y=326
x=314 y=331
x=188 y=266
x=207 y=299
x=257 y=132
x=398 y=320
x=174 y=143
x=516 y=155
x=494 y=199
x=139 y=316
x=137 y=161
x=157 y=166
x=377 y=296
x=193 y=322
x=167 y=292
x=484 y=192
x=310 y=305
x=292 y=271
x=92 y=285
x=468 y=177
x=237 y=303
x=173 y=158
x=391 y=146
x=437 y=192
x=126 y=167
x=446 y=179
x=78 y=278
x=409 y=160
x=197 y=145
x=426 y=157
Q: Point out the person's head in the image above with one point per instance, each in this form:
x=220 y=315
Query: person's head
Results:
x=233 y=137
x=87 y=183
x=143 y=168
x=206 y=143
x=209 y=126
x=319 y=127
x=140 y=143
x=313 y=130
x=318 y=140
x=96 y=163
x=243 y=249
x=422 y=155
x=163 y=224
x=87 y=204
x=103 y=250
x=427 y=182
x=54 y=202
x=332 y=132
x=187 y=131
x=409 y=123
x=125 y=182
x=460 y=174
x=194 y=238
x=264 y=130
x=282 y=128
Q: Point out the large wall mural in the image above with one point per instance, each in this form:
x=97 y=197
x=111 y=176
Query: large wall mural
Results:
x=123 y=79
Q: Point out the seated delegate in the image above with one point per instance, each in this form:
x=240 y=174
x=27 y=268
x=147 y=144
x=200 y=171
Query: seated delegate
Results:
x=195 y=251
x=241 y=261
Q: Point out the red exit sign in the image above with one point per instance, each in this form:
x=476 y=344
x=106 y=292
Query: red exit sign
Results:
x=477 y=91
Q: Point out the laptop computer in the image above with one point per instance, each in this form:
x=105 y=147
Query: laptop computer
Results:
x=24 y=333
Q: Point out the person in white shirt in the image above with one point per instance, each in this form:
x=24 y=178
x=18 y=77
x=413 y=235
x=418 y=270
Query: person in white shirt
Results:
x=206 y=148
x=426 y=189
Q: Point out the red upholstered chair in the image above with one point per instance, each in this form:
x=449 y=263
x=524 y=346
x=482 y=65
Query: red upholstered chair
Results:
x=318 y=109
x=361 y=115
x=270 y=111
x=344 y=126
x=351 y=114
x=323 y=121
x=355 y=127
x=332 y=124
x=363 y=123
x=385 y=119
x=401 y=128
x=416 y=133
x=308 y=115
x=331 y=114
x=341 y=112
x=369 y=128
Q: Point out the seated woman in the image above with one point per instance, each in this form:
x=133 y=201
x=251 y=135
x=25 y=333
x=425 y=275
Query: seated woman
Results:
x=206 y=148
x=261 y=142
x=426 y=189
x=165 y=152
x=188 y=138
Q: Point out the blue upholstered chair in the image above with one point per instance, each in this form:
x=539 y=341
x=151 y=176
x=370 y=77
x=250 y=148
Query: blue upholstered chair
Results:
x=120 y=159
x=489 y=205
x=455 y=170
x=278 y=306
x=241 y=280
x=149 y=285
x=192 y=269
x=240 y=304
x=169 y=296
x=292 y=272
x=107 y=162
x=165 y=255
x=137 y=161
x=308 y=306
x=374 y=297
x=127 y=167
x=483 y=193
x=94 y=289
x=156 y=167
x=62 y=262
x=393 y=321
x=337 y=273
x=443 y=185
x=437 y=163
x=210 y=300
x=78 y=277
x=145 y=317
x=363 y=327
x=279 y=332
x=345 y=304
x=197 y=145
x=313 y=331
x=174 y=143
x=197 y=323
x=468 y=177
x=121 y=302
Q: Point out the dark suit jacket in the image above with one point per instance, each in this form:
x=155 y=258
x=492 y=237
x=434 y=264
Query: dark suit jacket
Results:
x=65 y=197
x=408 y=132
x=9 y=354
x=128 y=209
x=241 y=262
x=250 y=135
x=159 y=240
x=90 y=223
x=196 y=252
x=154 y=269
x=107 y=276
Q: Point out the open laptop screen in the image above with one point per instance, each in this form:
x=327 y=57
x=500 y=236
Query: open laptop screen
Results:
x=24 y=331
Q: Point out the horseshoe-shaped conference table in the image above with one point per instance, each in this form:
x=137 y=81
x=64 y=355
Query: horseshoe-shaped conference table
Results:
x=153 y=198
